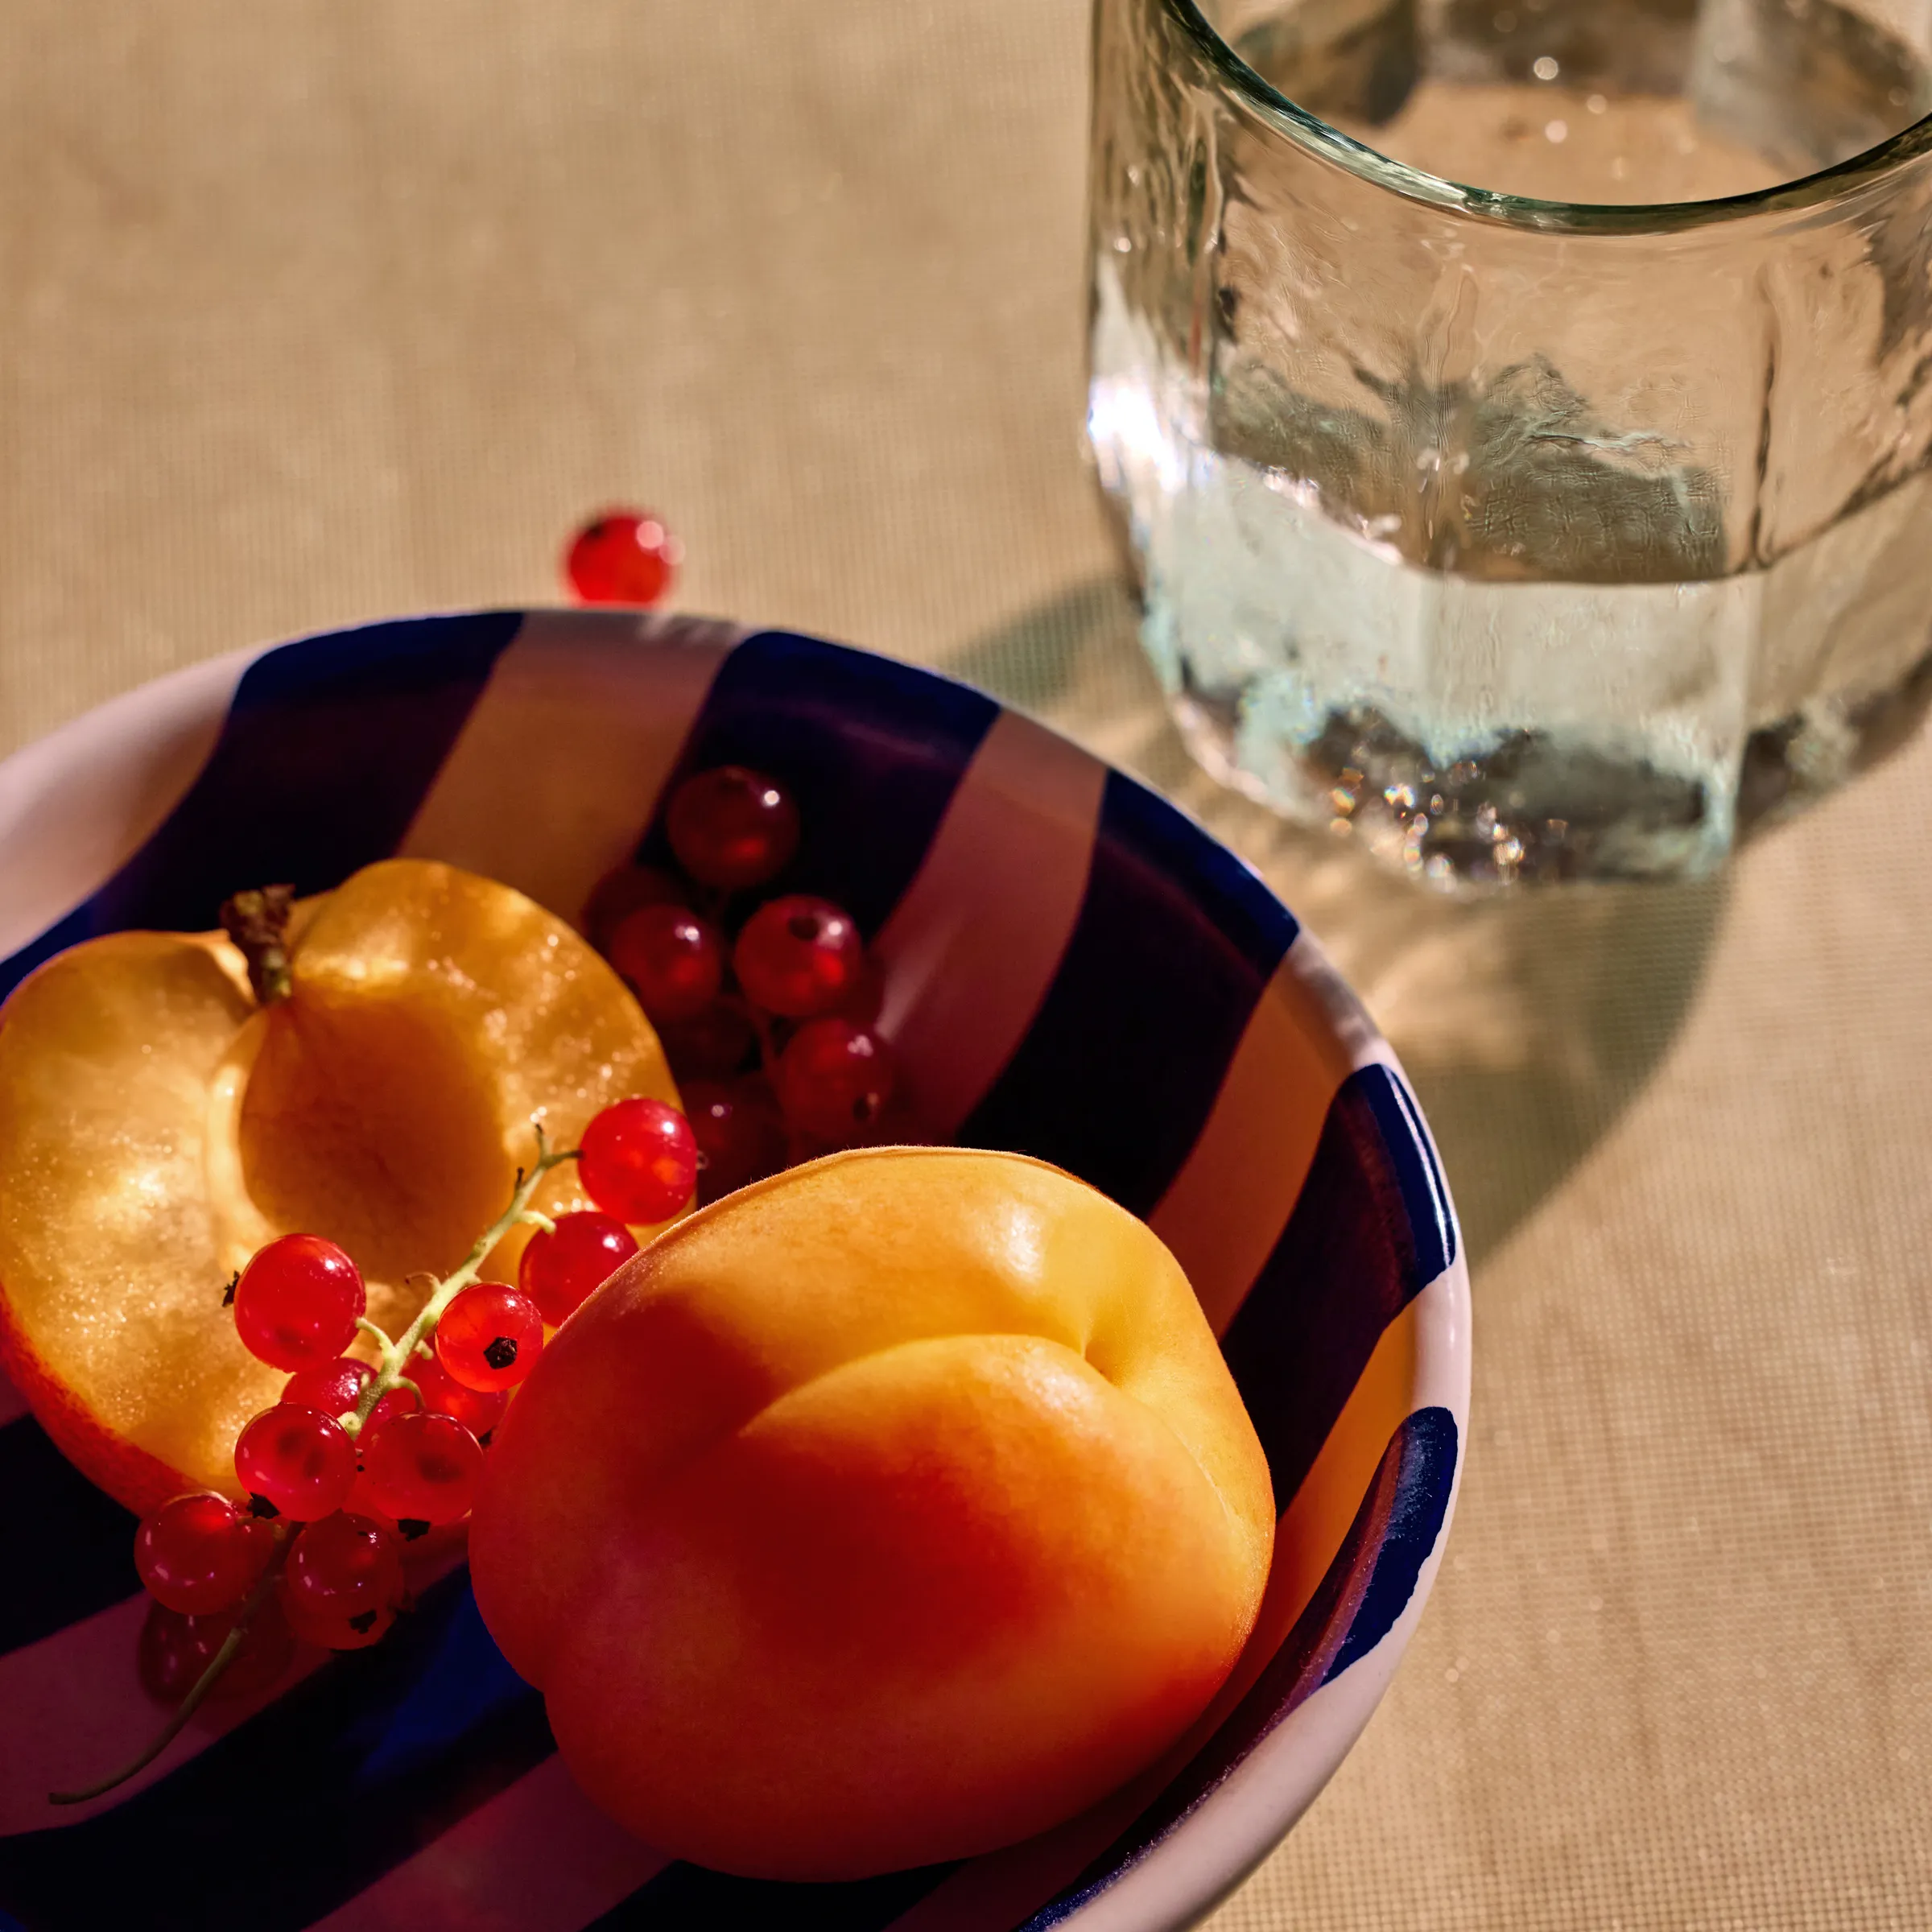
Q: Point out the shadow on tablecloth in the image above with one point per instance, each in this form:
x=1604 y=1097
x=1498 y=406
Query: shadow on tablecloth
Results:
x=1527 y=1022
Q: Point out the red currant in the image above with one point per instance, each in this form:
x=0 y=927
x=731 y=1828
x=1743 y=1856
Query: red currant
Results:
x=490 y=1336
x=558 y=1271
x=625 y=556
x=479 y=1410
x=197 y=1554
x=343 y=1582
x=717 y=1042
x=298 y=1461
x=797 y=956
x=421 y=1468
x=297 y=1302
x=174 y=1650
x=674 y=961
x=335 y=1388
x=392 y=1402
x=640 y=1161
x=834 y=1079
x=732 y=828
x=741 y=1136
x=620 y=893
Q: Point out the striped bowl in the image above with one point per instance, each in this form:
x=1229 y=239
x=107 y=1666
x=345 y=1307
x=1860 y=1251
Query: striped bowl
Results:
x=1076 y=970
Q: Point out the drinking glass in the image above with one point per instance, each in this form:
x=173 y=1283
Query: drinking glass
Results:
x=1518 y=411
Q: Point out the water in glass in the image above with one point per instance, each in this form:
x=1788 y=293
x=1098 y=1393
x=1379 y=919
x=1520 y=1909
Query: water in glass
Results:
x=1531 y=528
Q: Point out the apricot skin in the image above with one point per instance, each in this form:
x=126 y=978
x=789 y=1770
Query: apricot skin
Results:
x=887 y=1511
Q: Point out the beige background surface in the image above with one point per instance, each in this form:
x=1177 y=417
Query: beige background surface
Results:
x=316 y=310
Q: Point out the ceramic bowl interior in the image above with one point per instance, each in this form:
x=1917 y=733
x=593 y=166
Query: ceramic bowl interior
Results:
x=1075 y=970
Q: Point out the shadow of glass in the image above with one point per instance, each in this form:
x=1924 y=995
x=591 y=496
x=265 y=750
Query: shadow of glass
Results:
x=1528 y=1021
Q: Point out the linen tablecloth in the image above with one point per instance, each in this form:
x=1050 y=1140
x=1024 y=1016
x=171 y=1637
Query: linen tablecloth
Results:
x=322 y=310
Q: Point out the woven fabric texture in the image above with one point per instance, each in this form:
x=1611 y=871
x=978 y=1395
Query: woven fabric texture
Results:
x=329 y=309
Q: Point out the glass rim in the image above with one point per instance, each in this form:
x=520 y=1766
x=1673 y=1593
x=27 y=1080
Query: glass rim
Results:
x=1807 y=193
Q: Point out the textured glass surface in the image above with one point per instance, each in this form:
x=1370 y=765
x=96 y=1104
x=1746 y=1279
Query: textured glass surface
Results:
x=1522 y=538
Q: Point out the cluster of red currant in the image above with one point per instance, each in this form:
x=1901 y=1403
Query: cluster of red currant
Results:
x=766 y=1011
x=357 y=1458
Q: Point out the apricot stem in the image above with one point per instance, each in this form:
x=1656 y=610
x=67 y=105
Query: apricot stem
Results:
x=257 y=923
x=231 y=1645
x=396 y=1354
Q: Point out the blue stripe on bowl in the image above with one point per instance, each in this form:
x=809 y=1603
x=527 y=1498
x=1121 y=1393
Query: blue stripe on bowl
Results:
x=1175 y=940
x=70 y=1546
x=1424 y=1195
x=1365 y=1588
x=296 y=1811
x=331 y=745
x=871 y=750
x=687 y=1898
x=1367 y=1234
x=1418 y=1502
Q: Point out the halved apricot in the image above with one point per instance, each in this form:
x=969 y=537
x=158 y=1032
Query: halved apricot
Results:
x=157 y=1126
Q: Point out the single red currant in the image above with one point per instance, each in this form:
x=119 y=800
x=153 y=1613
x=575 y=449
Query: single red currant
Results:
x=620 y=893
x=479 y=1410
x=717 y=1042
x=558 y=1271
x=625 y=556
x=732 y=828
x=421 y=1468
x=297 y=1461
x=298 y=1302
x=834 y=1079
x=674 y=961
x=639 y=1160
x=798 y=956
x=335 y=1388
x=174 y=1650
x=343 y=1582
x=392 y=1402
x=490 y=1336
x=739 y=1134
x=196 y=1554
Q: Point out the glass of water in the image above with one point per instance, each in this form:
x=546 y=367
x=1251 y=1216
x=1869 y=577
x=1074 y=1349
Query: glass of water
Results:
x=1518 y=412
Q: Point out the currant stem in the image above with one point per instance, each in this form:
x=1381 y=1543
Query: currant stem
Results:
x=396 y=1355
x=379 y=1335
x=231 y=1646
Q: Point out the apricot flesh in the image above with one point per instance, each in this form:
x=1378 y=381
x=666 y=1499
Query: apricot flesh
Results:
x=157 y=1127
x=890 y=1510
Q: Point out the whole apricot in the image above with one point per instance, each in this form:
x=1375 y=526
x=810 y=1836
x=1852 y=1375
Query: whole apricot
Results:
x=890 y=1509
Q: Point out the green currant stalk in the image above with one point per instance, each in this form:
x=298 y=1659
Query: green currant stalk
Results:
x=231 y=1648
x=396 y=1356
